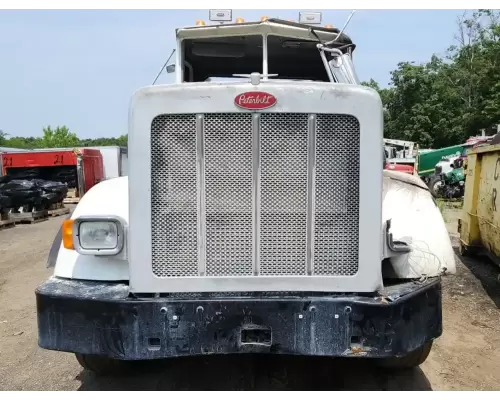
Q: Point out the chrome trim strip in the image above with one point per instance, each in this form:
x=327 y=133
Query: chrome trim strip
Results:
x=311 y=192
x=256 y=192
x=200 y=167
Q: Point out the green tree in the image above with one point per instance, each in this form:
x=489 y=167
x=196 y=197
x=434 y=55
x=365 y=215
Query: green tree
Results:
x=474 y=70
x=23 y=142
x=58 y=137
x=446 y=100
x=386 y=97
x=120 y=141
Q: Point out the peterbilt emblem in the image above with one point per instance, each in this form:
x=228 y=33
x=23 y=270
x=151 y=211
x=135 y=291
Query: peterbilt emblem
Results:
x=255 y=100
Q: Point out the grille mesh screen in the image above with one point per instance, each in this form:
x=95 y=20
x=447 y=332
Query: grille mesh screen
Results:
x=283 y=192
x=337 y=195
x=228 y=186
x=228 y=195
x=174 y=212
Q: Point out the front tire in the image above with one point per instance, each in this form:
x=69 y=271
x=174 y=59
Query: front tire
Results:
x=103 y=365
x=435 y=186
x=409 y=361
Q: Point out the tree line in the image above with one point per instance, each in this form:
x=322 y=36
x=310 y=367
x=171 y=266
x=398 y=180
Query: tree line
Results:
x=59 y=136
x=448 y=99
x=438 y=103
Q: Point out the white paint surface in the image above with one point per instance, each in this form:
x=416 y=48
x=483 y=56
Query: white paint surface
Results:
x=417 y=220
x=110 y=161
x=108 y=198
x=292 y=97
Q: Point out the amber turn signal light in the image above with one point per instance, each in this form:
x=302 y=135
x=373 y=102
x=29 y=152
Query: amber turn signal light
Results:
x=67 y=234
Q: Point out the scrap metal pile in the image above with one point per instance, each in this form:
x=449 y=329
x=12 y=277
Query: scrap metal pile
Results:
x=64 y=174
x=31 y=194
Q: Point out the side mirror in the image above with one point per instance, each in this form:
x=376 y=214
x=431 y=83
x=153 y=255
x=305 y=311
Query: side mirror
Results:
x=170 y=68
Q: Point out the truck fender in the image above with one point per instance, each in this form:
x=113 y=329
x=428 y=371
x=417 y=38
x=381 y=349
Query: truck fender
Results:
x=56 y=245
x=414 y=222
x=107 y=198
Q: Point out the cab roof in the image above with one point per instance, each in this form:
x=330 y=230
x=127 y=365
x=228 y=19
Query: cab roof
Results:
x=270 y=26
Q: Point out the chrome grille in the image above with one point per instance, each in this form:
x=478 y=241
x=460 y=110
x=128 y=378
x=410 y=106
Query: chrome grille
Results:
x=283 y=194
x=337 y=195
x=240 y=194
x=228 y=191
x=174 y=210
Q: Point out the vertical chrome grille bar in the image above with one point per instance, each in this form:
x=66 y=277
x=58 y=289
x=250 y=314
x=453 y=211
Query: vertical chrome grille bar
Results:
x=311 y=194
x=256 y=192
x=200 y=167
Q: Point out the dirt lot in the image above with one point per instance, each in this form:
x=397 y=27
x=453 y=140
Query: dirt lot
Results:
x=467 y=356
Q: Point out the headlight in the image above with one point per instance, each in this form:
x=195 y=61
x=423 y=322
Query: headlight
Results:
x=98 y=235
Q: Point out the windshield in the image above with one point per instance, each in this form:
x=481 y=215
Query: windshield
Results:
x=217 y=59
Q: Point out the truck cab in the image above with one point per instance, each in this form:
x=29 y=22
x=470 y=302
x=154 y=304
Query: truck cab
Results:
x=256 y=216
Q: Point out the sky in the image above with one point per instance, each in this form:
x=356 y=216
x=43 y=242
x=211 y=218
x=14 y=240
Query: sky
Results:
x=80 y=68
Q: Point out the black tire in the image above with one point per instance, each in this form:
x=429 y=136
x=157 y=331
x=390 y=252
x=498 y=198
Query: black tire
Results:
x=409 y=361
x=432 y=183
x=103 y=365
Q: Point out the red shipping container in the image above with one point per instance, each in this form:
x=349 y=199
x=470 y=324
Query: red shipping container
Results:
x=89 y=169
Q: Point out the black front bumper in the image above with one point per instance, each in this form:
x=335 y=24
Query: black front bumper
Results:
x=103 y=319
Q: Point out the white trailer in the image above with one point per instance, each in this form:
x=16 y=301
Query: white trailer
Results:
x=115 y=160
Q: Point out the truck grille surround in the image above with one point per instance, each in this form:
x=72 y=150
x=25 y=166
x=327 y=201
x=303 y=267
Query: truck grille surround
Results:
x=254 y=194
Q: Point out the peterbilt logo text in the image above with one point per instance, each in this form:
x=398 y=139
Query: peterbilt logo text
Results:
x=255 y=100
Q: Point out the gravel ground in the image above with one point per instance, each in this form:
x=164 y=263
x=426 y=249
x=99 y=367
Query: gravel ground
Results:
x=466 y=357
